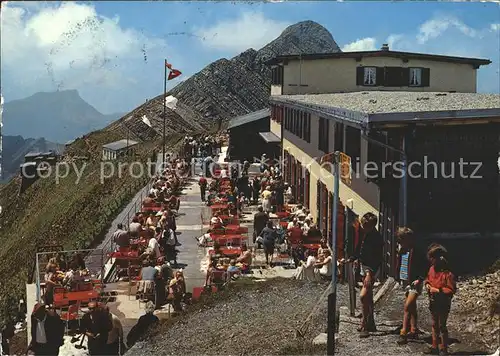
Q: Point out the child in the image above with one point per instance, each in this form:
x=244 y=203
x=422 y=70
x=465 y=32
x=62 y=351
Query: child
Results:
x=412 y=270
x=441 y=286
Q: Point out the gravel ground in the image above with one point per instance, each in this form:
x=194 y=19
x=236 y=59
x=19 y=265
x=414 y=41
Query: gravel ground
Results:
x=250 y=319
x=386 y=102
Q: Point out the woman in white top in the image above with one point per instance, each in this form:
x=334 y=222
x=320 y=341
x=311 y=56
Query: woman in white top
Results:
x=307 y=271
x=324 y=267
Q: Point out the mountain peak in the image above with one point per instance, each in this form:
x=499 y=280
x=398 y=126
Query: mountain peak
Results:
x=306 y=28
x=300 y=38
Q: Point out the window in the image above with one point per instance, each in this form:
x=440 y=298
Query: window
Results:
x=339 y=137
x=301 y=125
x=415 y=77
x=277 y=75
x=323 y=135
x=370 y=76
x=353 y=145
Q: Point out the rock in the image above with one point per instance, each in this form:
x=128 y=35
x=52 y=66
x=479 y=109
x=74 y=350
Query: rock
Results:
x=321 y=339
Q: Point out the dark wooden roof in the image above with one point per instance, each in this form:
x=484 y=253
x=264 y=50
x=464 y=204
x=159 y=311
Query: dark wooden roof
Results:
x=381 y=53
x=251 y=117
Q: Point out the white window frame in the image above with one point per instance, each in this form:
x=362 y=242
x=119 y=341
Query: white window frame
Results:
x=417 y=74
x=369 y=72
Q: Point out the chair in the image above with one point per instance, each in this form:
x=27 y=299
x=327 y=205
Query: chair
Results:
x=73 y=313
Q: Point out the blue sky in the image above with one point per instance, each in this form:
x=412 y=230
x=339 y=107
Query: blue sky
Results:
x=113 y=52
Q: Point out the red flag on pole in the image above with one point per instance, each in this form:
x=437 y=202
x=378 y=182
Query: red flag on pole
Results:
x=168 y=65
x=174 y=73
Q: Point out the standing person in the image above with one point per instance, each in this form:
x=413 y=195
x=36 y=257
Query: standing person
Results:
x=143 y=324
x=260 y=220
x=8 y=333
x=203 y=187
x=47 y=331
x=368 y=255
x=412 y=270
x=266 y=199
x=255 y=190
x=96 y=326
x=172 y=224
x=170 y=252
x=269 y=236
x=115 y=344
x=441 y=286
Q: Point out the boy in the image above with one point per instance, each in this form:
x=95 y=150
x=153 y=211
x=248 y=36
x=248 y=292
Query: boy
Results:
x=411 y=273
x=368 y=255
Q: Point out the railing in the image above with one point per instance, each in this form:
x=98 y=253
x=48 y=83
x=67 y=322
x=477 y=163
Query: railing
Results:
x=94 y=263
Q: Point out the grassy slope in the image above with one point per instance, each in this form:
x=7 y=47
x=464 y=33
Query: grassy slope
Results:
x=68 y=214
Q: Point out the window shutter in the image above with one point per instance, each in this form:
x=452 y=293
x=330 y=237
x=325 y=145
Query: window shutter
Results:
x=405 y=76
x=426 y=77
x=394 y=77
x=360 y=73
x=380 y=77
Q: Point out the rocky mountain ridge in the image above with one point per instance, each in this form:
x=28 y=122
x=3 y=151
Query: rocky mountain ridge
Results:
x=228 y=88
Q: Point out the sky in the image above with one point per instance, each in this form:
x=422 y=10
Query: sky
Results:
x=113 y=52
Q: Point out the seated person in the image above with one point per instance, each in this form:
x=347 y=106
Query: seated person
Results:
x=135 y=227
x=245 y=259
x=307 y=270
x=324 y=267
x=212 y=277
x=233 y=269
x=292 y=223
x=147 y=278
x=72 y=277
x=298 y=253
x=149 y=200
x=295 y=234
x=204 y=239
x=306 y=226
x=323 y=248
x=314 y=233
x=216 y=222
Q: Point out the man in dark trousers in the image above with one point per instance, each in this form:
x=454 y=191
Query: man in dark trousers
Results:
x=203 y=187
x=47 y=331
x=260 y=220
x=368 y=255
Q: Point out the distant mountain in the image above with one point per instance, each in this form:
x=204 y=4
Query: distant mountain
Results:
x=57 y=116
x=231 y=87
x=14 y=148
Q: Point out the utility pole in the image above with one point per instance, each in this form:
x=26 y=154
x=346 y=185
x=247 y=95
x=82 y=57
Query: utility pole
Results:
x=332 y=297
x=164 y=114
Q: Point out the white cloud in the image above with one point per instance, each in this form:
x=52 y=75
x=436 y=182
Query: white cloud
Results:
x=495 y=27
x=68 y=46
x=250 y=30
x=364 y=44
x=437 y=26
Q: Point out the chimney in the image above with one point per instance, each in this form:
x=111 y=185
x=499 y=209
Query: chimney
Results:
x=385 y=47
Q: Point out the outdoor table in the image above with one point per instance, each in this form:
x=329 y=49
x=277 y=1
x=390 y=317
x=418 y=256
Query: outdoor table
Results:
x=152 y=208
x=236 y=229
x=312 y=246
x=68 y=297
x=227 y=251
x=219 y=206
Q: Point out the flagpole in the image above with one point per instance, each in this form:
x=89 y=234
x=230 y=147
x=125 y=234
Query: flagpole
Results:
x=164 y=112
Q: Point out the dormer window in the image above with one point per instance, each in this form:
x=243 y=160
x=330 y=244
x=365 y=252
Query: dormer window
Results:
x=370 y=76
x=415 y=77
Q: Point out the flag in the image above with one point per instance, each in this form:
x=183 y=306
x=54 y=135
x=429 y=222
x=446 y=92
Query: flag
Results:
x=146 y=121
x=171 y=102
x=168 y=65
x=174 y=73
